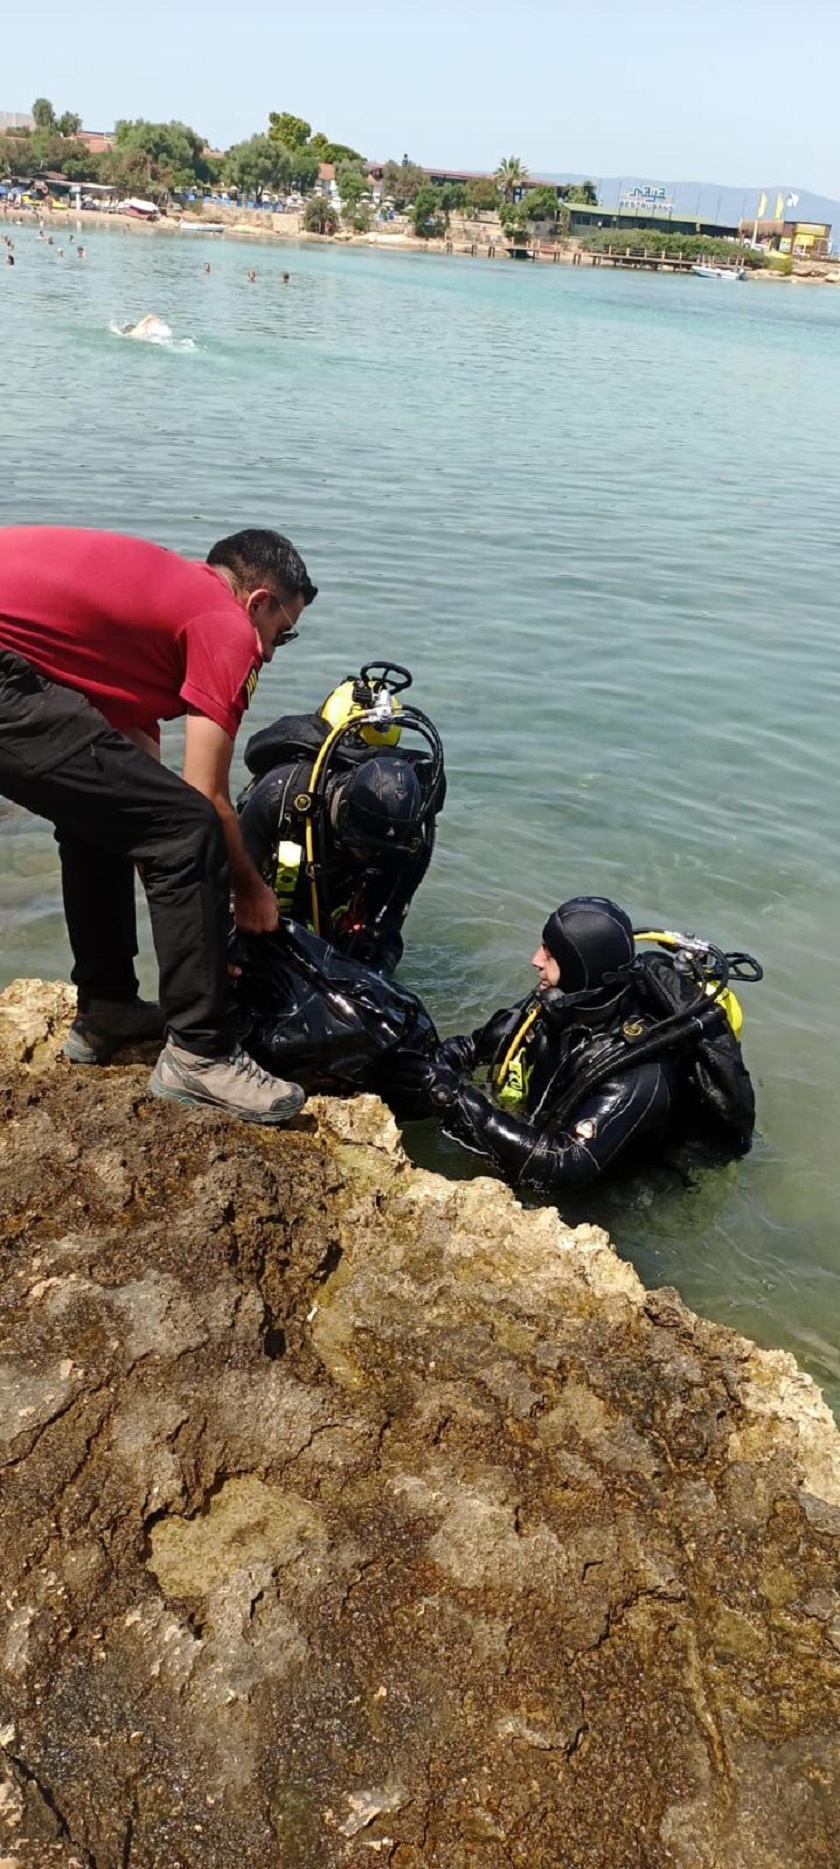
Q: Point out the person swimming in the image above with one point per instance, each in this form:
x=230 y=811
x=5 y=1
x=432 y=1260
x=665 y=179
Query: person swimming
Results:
x=150 y=328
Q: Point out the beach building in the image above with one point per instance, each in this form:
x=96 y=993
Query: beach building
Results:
x=582 y=218
x=96 y=142
x=809 y=240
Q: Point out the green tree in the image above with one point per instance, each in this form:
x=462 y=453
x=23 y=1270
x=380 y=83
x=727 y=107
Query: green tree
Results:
x=161 y=156
x=360 y=218
x=541 y=204
x=510 y=175
x=402 y=180
x=43 y=114
x=334 y=152
x=482 y=194
x=319 y=216
x=284 y=128
x=69 y=123
x=42 y=150
x=306 y=164
x=256 y=165
x=429 y=221
x=453 y=197
x=581 y=194
x=515 y=221
x=352 y=184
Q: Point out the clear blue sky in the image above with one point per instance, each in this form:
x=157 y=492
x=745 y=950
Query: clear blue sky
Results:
x=724 y=91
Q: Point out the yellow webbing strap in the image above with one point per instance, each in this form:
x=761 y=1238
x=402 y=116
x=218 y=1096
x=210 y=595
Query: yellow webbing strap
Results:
x=513 y=1047
x=309 y=837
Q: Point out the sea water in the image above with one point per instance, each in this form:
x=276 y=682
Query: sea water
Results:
x=597 y=516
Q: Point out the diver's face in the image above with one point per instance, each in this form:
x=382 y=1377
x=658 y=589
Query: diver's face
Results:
x=547 y=967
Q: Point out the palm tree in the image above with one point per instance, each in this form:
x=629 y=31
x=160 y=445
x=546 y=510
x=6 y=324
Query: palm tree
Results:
x=510 y=175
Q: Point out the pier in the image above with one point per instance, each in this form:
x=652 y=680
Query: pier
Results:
x=650 y=262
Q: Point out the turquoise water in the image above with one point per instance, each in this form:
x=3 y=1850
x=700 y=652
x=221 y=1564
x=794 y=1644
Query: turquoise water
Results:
x=598 y=518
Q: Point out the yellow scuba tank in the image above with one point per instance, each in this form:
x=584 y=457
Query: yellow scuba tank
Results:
x=345 y=703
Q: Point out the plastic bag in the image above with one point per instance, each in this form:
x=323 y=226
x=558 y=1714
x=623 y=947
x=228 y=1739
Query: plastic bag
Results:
x=311 y=1014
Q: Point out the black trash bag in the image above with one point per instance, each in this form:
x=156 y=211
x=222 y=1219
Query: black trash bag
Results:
x=308 y=1013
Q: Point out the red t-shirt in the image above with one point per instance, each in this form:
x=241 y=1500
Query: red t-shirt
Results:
x=144 y=634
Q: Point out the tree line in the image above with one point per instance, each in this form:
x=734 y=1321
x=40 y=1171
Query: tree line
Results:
x=161 y=159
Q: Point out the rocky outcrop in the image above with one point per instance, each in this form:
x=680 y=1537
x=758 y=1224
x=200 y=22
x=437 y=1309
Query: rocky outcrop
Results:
x=354 y=1517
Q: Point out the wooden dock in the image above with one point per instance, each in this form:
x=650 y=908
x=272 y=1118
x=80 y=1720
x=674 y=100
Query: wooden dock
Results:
x=650 y=262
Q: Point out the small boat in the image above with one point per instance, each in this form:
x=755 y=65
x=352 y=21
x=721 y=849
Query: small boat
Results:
x=201 y=227
x=719 y=272
x=140 y=210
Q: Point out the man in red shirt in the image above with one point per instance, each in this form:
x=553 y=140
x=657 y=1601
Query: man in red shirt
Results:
x=101 y=638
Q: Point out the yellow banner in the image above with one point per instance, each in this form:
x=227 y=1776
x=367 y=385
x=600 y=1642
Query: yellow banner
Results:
x=761 y=210
x=780 y=208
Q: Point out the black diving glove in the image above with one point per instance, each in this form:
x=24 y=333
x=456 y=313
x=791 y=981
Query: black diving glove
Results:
x=443 y=1085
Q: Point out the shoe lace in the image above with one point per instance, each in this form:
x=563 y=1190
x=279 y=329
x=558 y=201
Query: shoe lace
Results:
x=247 y=1067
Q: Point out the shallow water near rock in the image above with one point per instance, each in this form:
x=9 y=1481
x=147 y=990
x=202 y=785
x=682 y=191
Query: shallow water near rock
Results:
x=596 y=516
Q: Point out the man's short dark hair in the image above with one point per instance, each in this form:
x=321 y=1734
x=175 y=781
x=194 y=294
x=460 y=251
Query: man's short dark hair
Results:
x=257 y=556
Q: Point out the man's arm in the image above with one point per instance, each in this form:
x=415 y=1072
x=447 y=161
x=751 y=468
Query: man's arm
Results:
x=626 y=1111
x=208 y=751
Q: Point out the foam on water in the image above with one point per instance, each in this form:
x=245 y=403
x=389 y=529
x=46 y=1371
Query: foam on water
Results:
x=598 y=518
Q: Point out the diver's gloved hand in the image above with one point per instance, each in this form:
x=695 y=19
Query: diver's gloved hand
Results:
x=455 y=1054
x=443 y=1085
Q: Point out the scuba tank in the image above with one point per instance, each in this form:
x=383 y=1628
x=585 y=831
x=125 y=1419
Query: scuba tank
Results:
x=360 y=699
x=365 y=707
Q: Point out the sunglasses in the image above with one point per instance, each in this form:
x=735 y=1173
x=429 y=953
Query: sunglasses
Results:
x=289 y=634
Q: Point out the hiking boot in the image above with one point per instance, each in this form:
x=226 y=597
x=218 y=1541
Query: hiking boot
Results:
x=235 y=1084
x=109 y=1025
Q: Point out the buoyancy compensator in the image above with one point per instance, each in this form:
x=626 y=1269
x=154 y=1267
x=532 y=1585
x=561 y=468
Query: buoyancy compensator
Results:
x=683 y=986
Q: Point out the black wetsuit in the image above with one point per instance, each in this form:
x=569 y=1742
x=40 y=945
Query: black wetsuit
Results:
x=363 y=902
x=516 y=1127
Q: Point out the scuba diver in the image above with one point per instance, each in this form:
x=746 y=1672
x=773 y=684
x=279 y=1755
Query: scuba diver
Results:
x=612 y=1055
x=340 y=815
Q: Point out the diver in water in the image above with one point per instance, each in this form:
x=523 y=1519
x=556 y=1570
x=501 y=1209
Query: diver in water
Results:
x=611 y=1056
x=340 y=816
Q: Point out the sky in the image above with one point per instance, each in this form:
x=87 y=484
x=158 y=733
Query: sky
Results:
x=736 y=92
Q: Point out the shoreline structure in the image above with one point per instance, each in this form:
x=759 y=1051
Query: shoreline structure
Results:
x=469 y=239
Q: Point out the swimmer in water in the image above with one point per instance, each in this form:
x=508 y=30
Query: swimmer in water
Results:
x=251 y=277
x=206 y=267
x=150 y=327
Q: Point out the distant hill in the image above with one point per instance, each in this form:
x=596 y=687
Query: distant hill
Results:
x=707 y=201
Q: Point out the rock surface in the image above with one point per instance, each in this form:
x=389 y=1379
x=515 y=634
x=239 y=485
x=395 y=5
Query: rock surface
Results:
x=354 y=1517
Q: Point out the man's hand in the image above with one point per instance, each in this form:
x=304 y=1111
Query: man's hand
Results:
x=255 y=907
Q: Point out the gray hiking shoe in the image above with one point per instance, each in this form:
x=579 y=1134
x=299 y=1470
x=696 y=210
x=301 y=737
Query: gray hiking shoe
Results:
x=235 y=1084
x=110 y=1025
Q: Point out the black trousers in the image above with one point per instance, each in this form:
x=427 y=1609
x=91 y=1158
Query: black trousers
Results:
x=115 y=807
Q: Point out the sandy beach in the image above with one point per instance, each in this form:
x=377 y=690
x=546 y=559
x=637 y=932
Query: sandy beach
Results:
x=482 y=239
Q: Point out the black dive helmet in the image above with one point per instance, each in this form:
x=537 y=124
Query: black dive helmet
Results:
x=589 y=937
x=380 y=806
x=367 y=711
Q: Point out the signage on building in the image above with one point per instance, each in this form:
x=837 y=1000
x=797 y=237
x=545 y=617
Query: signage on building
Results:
x=646 y=198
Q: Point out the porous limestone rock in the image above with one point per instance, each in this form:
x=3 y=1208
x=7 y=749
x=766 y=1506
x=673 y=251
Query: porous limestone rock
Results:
x=350 y=1516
